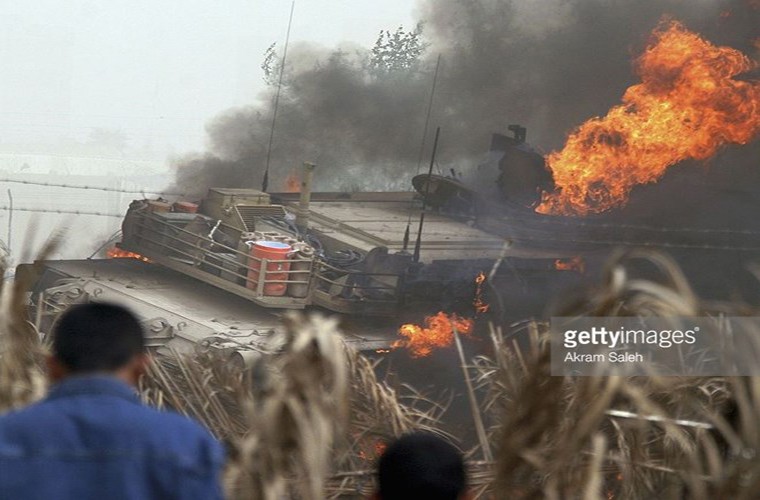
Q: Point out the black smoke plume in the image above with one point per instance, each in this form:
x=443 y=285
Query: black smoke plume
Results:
x=547 y=64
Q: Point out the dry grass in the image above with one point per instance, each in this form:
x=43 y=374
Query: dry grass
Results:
x=377 y=416
x=310 y=408
x=557 y=436
x=22 y=355
x=280 y=418
x=299 y=405
x=200 y=386
x=308 y=420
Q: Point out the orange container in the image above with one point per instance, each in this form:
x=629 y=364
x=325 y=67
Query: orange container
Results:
x=270 y=250
x=185 y=207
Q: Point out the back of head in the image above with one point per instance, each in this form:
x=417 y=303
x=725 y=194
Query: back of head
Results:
x=97 y=337
x=421 y=465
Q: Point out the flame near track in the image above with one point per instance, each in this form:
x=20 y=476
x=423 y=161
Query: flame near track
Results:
x=687 y=106
x=438 y=332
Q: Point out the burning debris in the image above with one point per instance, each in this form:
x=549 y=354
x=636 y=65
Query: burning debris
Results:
x=438 y=332
x=478 y=303
x=118 y=253
x=687 y=106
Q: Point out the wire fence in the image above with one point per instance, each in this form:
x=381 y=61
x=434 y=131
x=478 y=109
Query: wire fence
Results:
x=92 y=188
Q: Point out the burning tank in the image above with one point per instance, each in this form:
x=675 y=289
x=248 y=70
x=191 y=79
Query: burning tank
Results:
x=673 y=165
x=701 y=216
x=218 y=272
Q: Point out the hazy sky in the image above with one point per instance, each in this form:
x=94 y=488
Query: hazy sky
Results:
x=155 y=69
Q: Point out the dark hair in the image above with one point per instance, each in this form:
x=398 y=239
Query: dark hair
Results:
x=421 y=465
x=97 y=337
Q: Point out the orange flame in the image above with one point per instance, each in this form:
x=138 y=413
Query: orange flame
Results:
x=438 y=332
x=292 y=184
x=687 y=106
x=118 y=253
x=573 y=264
x=478 y=303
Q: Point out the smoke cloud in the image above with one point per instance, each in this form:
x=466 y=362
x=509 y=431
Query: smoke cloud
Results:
x=547 y=64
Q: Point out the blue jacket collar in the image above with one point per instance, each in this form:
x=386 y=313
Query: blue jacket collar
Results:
x=93 y=384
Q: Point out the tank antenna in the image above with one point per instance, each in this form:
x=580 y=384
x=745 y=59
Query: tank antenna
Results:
x=418 y=243
x=422 y=146
x=265 y=181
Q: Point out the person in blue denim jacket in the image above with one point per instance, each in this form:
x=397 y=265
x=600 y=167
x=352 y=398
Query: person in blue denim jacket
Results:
x=91 y=438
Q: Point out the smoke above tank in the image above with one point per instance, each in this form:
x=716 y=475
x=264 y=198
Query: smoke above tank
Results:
x=547 y=64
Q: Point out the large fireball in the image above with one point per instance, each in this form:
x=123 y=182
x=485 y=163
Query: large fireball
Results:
x=687 y=106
